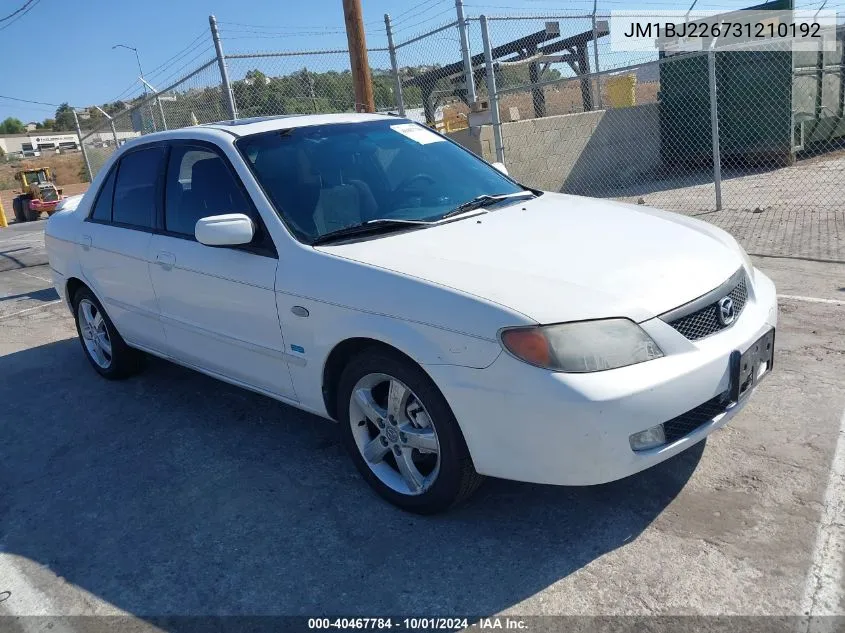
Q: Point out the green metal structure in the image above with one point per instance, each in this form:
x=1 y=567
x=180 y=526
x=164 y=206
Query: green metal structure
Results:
x=772 y=104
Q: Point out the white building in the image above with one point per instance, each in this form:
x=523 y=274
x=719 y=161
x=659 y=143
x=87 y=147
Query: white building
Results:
x=39 y=142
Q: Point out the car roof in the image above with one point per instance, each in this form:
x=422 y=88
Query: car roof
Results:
x=256 y=125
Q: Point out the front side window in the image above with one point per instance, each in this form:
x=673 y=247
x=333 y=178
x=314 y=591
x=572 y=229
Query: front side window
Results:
x=326 y=178
x=198 y=185
x=135 y=188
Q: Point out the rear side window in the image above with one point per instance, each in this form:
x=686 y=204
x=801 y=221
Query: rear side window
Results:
x=102 y=208
x=198 y=185
x=135 y=189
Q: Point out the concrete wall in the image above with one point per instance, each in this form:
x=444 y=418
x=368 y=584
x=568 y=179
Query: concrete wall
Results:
x=595 y=153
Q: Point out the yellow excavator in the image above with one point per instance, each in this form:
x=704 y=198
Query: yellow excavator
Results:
x=39 y=194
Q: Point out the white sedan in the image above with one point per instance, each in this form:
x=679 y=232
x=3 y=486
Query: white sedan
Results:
x=455 y=323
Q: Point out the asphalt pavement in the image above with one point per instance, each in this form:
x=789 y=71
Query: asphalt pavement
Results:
x=172 y=493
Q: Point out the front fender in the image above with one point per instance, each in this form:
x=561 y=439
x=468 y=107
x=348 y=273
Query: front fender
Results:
x=309 y=340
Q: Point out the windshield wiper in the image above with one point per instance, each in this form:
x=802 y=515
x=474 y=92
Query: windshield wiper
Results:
x=484 y=200
x=370 y=226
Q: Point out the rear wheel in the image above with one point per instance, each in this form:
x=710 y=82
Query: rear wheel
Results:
x=402 y=434
x=105 y=349
x=17 y=207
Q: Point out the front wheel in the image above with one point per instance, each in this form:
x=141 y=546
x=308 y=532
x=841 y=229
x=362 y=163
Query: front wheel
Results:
x=17 y=207
x=402 y=434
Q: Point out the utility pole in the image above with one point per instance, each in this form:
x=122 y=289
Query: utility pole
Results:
x=361 y=79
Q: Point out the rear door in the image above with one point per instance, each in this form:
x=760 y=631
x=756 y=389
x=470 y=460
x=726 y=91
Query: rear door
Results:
x=115 y=245
x=218 y=304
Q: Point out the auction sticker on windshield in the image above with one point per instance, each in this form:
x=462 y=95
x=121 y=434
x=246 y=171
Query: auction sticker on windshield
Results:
x=417 y=133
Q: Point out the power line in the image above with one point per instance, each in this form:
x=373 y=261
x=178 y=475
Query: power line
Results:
x=56 y=105
x=398 y=16
x=246 y=32
x=200 y=44
x=165 y=81
x=423 y=21
x=120 y=97
x=202 y=34
x=17 y=15
x=265 y=27
x=14 y=13
x=401 y=20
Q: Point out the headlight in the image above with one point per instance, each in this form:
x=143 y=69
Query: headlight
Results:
x=582 y=346
x=746 y=260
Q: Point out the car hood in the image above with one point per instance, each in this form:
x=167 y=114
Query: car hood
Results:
x=561 y=258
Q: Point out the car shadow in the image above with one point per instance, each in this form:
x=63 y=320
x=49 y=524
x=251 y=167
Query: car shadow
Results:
x=173 y=493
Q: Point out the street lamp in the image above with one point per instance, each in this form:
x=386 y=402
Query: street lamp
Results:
x=137 y=57
x=140 y=70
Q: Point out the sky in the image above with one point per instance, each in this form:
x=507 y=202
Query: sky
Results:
x=56 y=51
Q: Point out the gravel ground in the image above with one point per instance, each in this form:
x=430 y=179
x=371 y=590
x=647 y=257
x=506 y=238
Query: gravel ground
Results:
x=172 y=493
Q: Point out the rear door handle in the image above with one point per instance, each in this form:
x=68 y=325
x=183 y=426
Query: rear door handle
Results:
x=86 y=242
x=165 y=260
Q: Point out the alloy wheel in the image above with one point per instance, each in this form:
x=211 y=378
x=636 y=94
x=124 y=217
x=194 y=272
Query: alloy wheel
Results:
x=95 y=334
x=394 y=434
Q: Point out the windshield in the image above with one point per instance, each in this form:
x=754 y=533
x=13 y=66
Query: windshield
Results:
x=49 y=194
x=329 y=177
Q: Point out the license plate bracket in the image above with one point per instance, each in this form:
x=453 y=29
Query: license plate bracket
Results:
x=749 y=367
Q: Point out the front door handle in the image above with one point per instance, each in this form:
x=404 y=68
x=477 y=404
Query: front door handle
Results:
x=86 y=242
x=165 y=260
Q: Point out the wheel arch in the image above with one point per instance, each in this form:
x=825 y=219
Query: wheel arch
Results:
x=72 y=285
x=339 y=357
x=343 y=352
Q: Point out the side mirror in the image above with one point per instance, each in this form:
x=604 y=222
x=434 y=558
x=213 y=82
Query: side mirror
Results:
x=501 y=167
x=230 y=229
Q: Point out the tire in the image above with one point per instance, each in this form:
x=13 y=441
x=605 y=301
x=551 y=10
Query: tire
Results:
x=17 y=207
x=444 y=475
x=119 y=360
x=31 y=214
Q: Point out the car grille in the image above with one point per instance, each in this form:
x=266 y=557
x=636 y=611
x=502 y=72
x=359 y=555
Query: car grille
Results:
x=705 y=321
x=686 y=423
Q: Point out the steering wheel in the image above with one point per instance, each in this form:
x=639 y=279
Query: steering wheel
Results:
x=406 y=182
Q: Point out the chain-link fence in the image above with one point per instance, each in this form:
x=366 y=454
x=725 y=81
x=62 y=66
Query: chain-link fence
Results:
x=751 y=140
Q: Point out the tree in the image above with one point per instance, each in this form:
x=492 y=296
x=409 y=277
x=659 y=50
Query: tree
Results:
x=12 y=126
x=64 y=119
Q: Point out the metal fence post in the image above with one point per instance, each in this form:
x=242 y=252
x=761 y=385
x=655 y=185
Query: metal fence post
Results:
x=596 y=58
x=157 y=99
x=714 y=125
x=468 y=75
x=492 y=94
x=228 y=95
x=111 y=125
x=82 y=146
x=397 y=81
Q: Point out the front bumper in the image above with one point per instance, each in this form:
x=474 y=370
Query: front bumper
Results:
x=528 y=424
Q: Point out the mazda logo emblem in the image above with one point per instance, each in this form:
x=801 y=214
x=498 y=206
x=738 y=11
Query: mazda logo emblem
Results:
x=725 y=311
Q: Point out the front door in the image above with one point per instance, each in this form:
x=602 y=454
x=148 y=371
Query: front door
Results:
x=217 y=304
